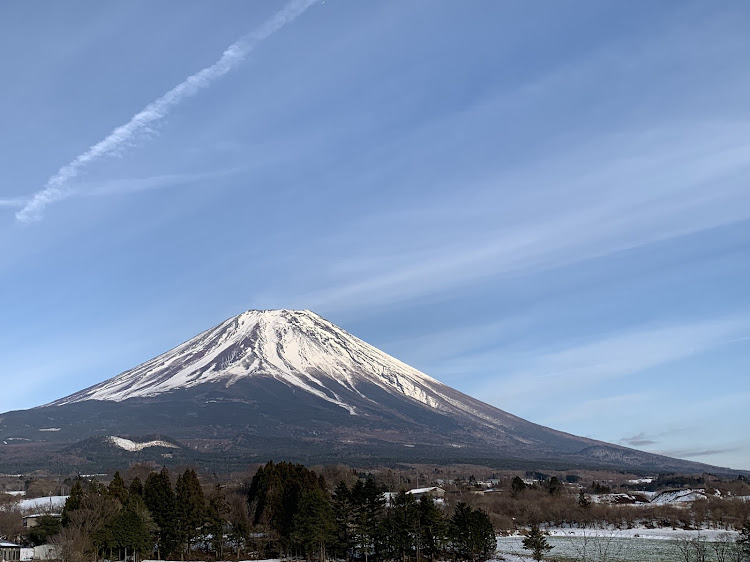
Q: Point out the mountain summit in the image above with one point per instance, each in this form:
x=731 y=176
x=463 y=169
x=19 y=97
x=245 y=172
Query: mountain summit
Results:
x=289 y=384
x=295 y=347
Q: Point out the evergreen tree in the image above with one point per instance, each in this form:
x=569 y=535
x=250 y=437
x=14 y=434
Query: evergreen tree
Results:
x=401 y=526
x=314 y=527
x=136 y=487
x=471 y=532
x=191 y=508
x=130 y=532
x=217 y=510
x=160 y=500
x=274 y=496
x=517 y=485
x=433 y=526
x=46 y=527
x=343 y=516
x=73 y=502
x=537 y=543
x=88 y=515
x=117 y=489
x=239 y=522
x=368 y=503
x=554 y=486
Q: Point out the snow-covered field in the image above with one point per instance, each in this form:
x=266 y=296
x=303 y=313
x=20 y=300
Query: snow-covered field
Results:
x=627 y=545
x=666 y=533
x=50 y=503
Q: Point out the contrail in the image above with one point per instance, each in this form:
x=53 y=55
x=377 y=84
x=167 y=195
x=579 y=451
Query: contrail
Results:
x=141 y=123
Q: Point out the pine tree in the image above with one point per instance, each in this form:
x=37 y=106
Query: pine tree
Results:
x=368 y=503
x=537 y=543
x=401 y=526
x=554 y=486
x=517 y=485
x=136 y=487
x=88 y=514
x=239 y=522
x=73 y=502
x=117 y=489
x=191 y=508
x=343 y=516
x=131 y=531
x=472 y=534
x=274 y=495
x=314 y=527
x=46 y=526
x=433 y=527
x=217 y=510
x=160 y=500
x=483 y=538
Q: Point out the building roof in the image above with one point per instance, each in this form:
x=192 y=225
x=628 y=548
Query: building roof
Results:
x=424 y=490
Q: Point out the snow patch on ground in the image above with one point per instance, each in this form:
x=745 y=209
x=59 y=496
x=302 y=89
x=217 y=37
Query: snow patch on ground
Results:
x=133 y=447
x=678 y=496
x=641 y=480
x=51 y=503
x=665 y=533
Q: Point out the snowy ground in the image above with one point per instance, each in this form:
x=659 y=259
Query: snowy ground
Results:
x=666 y=533
x=49 y=503
x=627 y=545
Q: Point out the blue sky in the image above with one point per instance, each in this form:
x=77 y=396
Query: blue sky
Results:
x=544 y=205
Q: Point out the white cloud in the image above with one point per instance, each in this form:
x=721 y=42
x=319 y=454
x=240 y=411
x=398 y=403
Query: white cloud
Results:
x=627 y=192
x=142 y=124
x=613 y=357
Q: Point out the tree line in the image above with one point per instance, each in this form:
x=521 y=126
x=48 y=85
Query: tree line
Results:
x=285 y=510
x=296 y=515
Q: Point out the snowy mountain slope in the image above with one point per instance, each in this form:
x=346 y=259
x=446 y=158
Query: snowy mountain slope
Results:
x=289 y=384
x=297 y=348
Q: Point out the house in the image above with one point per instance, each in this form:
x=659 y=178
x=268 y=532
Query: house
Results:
x=9 y=551
x=46 y=552
x=438 y=494
x=434 y=491
x=30 y=521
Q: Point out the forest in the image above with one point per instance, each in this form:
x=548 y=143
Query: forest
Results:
x=285 y=510
x=281 y=510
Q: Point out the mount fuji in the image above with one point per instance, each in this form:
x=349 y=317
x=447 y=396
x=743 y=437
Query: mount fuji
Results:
x=287 y=384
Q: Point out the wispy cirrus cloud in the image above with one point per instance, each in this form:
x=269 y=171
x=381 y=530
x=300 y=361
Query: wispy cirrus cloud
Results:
x=583 y=364
x=125 y=186
x=142 y=124
x=638 y=440
x=629 y=191
x=693 y=453
x=12 y=202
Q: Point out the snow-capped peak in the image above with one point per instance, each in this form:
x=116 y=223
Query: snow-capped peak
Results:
x=296 y=347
